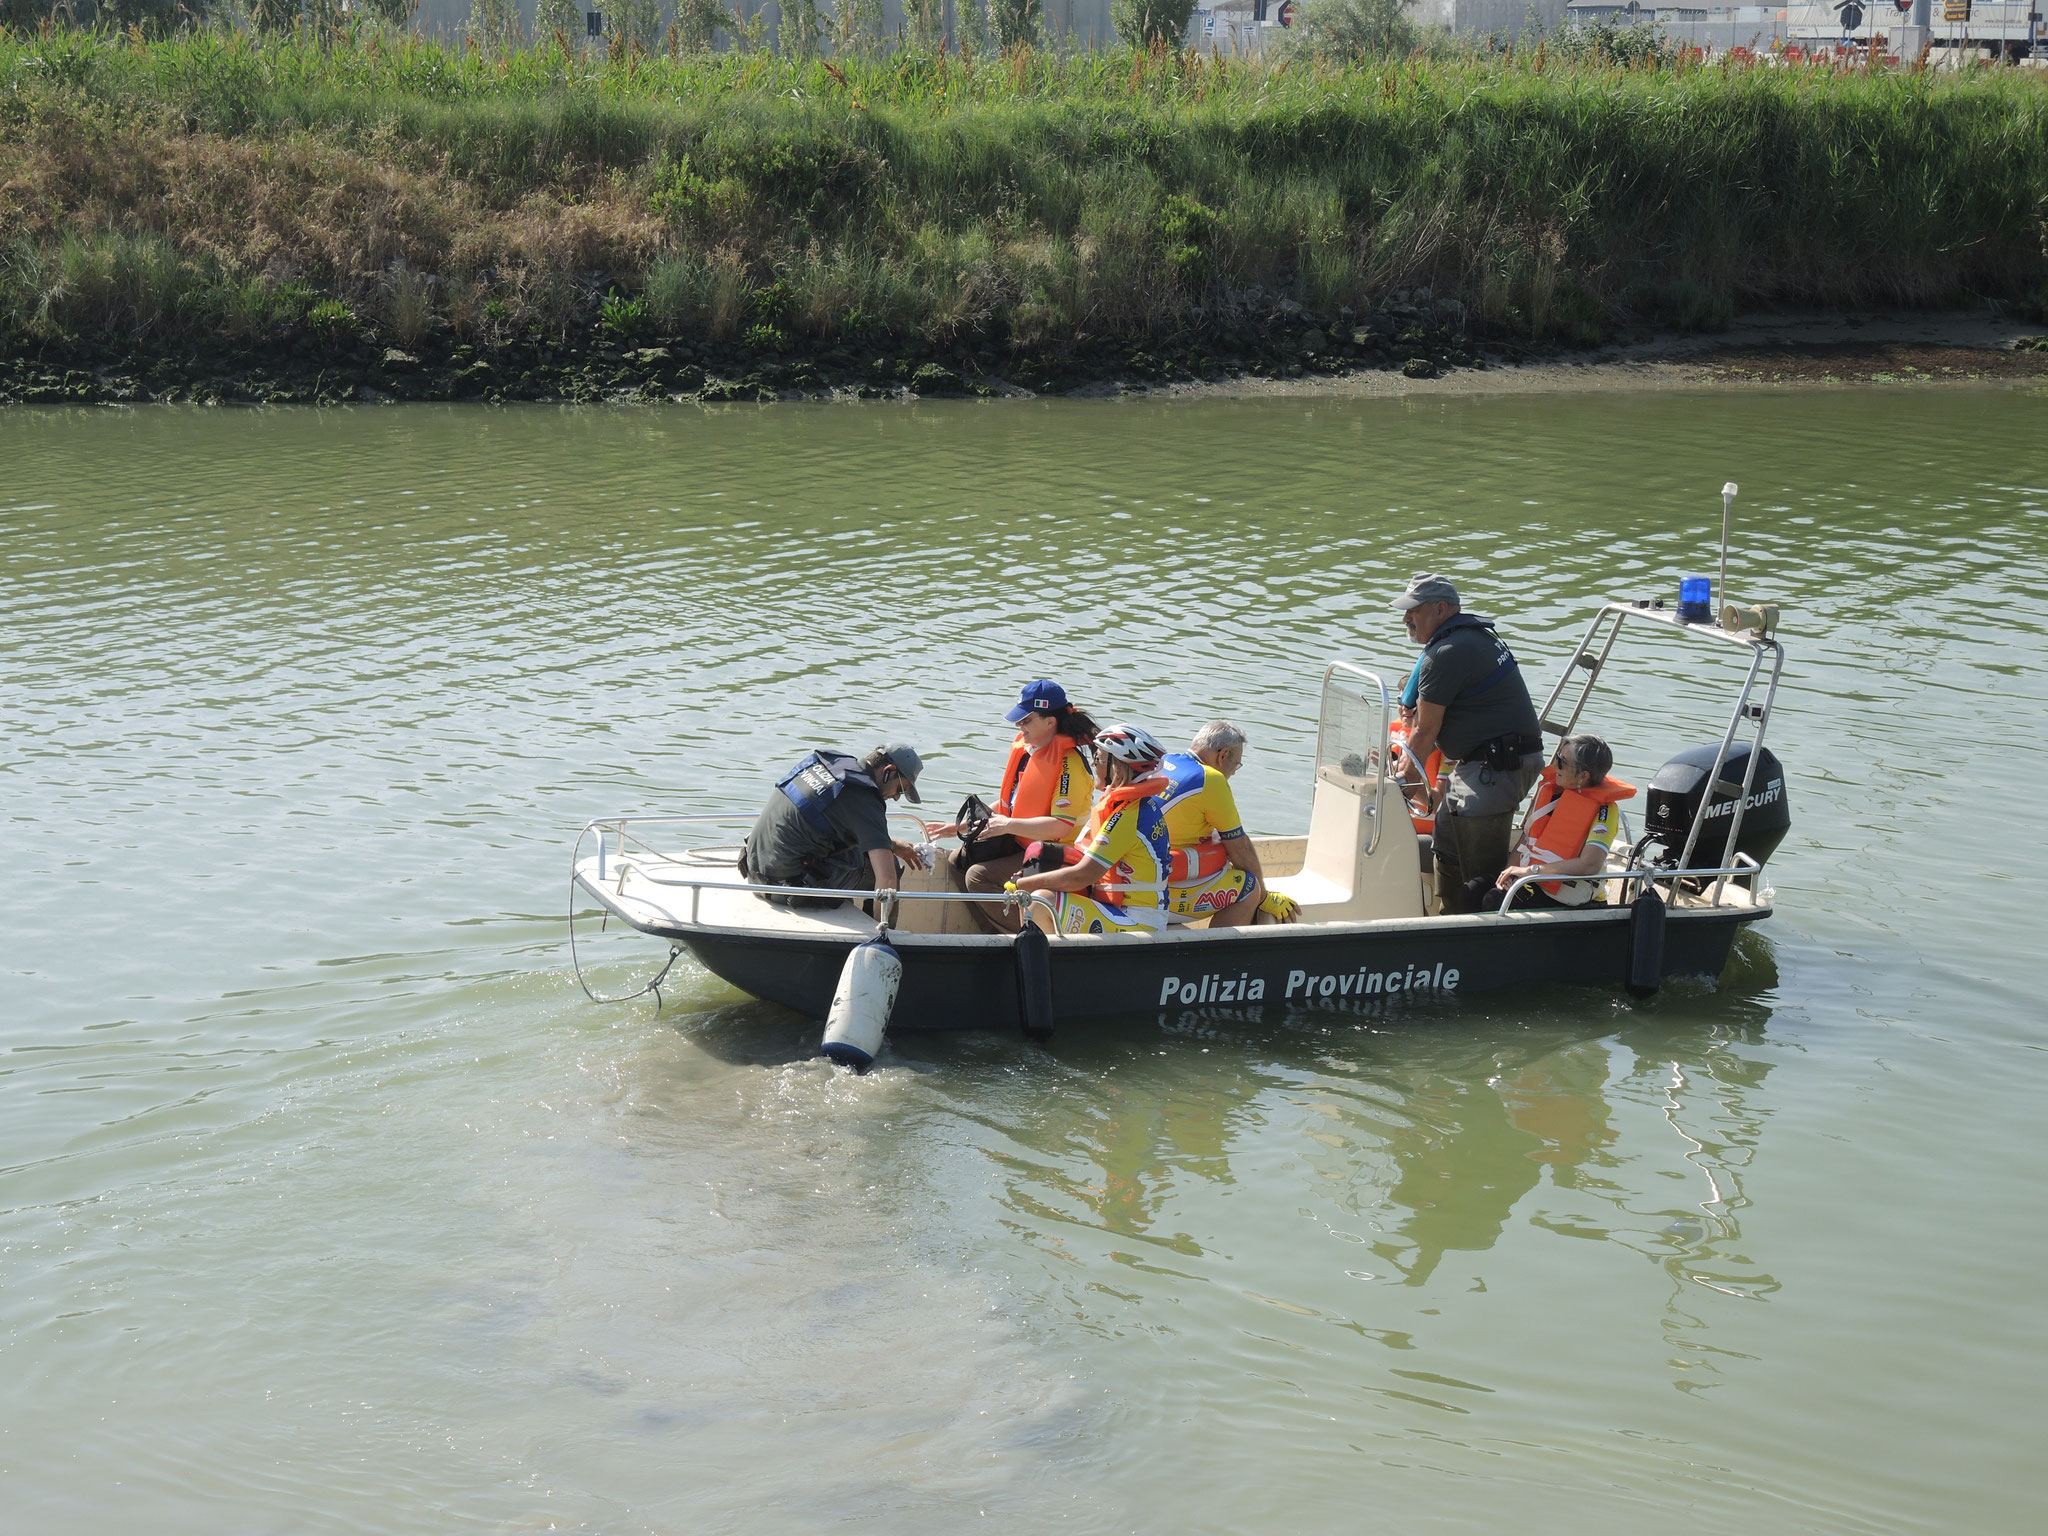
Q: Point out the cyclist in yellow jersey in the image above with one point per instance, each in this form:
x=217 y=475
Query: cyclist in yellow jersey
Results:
x=1116 y=882
x=1215 y=870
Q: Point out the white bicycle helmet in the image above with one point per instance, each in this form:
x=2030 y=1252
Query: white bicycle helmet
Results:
x=1131 y=745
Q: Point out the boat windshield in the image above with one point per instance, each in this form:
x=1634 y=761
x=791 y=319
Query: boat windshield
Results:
x=1353 y=726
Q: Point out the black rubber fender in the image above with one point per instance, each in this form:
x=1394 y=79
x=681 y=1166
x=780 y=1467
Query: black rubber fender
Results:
x=1646 y=915
x=1034 y=981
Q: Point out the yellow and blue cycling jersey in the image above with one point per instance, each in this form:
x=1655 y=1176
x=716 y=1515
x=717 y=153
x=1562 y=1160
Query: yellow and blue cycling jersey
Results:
x=1197 y=802
x=1128 y=833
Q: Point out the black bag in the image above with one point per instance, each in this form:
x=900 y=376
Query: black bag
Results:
x=974 y=848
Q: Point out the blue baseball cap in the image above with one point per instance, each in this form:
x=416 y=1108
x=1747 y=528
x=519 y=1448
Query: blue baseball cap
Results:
x=1043 y=697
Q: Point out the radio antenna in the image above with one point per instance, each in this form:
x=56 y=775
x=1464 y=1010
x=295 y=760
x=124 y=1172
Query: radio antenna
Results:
x=1727 y=511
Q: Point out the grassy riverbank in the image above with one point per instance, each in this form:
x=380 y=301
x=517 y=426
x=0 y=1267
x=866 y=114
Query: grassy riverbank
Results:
x=421 y=220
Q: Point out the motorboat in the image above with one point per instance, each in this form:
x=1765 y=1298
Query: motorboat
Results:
x=1676 y=890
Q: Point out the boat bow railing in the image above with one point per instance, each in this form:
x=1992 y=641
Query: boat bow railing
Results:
x=887 y=901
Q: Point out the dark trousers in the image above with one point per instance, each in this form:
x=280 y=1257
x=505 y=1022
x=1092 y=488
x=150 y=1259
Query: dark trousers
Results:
x=1529 y=897
x=1471 y=851
x=846 y=870
x=987 y=879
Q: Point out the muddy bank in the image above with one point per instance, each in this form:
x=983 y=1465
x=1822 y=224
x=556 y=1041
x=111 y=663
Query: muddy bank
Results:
x=1763 y=351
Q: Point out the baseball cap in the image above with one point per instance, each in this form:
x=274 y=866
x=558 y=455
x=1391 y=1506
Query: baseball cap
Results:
x=1043 y=697
x=1425 y=588
x=909 y=764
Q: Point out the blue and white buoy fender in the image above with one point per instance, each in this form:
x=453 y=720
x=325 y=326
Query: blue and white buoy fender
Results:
x=862 y=1004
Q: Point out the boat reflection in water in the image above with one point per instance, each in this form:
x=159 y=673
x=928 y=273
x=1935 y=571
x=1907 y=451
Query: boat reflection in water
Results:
x=1422 y=1143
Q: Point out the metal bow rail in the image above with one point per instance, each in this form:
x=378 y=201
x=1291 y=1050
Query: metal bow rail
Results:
x=886 y=901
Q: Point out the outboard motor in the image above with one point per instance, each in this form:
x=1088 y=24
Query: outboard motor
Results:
x=1674 y=800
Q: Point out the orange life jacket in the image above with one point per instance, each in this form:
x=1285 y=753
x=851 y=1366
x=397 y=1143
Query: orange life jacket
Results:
x=1107 y=804
x=1031 y=779
x=1557 y=828
x=1397 y=734
x=1197 y=862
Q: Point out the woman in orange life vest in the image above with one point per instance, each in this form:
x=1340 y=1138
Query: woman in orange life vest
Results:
x=1570 y=826
x=1044 y=796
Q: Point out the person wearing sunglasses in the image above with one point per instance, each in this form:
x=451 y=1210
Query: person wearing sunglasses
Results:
x=826 y=825
x=1573 y=821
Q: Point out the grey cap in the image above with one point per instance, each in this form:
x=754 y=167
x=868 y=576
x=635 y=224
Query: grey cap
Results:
x=909 y=764
x=1426 y=588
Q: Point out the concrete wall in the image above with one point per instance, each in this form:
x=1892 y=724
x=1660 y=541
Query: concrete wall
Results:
x=1719 y=36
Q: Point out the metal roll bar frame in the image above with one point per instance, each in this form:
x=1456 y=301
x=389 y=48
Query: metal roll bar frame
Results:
x=1759 y=646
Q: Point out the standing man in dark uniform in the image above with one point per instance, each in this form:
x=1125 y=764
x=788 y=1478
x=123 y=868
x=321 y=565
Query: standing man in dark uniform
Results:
x=1473 y=704
x=827 y=825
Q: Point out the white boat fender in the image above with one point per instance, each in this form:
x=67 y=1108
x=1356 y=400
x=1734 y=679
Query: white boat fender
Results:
x=1034 y=981
x=1645 y=943
x=862 y=1004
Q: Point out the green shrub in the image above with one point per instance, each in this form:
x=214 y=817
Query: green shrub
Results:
x=1144 y=24
x=1350 y=29
x=332 y=320
x=1631 y=44
x=553 y=19
x=698 y=23
x=1187 y=231
x=624 y=318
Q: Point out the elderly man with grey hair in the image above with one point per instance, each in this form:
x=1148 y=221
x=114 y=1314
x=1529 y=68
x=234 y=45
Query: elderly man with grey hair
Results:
x=1215 y=871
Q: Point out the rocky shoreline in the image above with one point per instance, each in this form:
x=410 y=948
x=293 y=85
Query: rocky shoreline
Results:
x=1414 y=335
x=1413 y=344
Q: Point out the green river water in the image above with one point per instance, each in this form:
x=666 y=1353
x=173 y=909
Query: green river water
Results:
x=327 y=1202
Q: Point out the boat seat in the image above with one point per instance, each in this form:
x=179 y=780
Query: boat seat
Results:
x=1341 y=879
x=933 y=916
